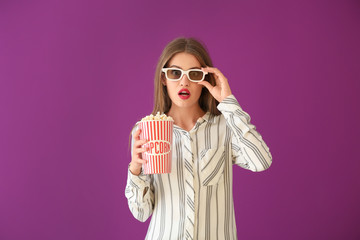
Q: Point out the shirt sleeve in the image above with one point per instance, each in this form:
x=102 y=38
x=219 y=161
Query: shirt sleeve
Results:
x=139 y=192
x=249 y=150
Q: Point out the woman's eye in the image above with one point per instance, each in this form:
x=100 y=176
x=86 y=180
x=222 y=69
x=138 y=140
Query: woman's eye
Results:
x=175 y=72
x=194 y=73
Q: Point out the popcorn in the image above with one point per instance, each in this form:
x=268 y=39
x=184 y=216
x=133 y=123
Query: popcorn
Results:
x=157 y=117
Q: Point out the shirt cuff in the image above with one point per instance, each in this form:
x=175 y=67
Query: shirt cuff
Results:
x=230 y=107
x=140 y=180
x=229 y=103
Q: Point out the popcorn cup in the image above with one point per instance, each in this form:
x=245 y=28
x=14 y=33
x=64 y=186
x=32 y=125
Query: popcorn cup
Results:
x=159 y=135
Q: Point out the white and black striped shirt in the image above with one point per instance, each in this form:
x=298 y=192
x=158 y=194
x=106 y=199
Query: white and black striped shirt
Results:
x=195 y=201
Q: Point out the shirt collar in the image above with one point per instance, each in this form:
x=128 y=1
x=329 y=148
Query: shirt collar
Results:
x=209 y=117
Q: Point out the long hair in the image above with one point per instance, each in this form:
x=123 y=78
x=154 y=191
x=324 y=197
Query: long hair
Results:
x=162 y=101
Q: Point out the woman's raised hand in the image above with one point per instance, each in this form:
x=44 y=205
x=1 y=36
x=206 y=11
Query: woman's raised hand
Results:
x=136 y=160
x=222 y=89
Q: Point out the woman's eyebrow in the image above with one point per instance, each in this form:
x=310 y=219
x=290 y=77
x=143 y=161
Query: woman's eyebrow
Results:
x=181 y=68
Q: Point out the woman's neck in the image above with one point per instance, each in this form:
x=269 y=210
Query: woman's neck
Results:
x=185 y=117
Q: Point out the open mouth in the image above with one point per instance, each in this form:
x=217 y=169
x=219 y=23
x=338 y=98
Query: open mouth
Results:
x=184 y=93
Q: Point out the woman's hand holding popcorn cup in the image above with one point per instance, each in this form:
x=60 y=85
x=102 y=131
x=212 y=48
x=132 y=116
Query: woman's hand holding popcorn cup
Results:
x=136 y=160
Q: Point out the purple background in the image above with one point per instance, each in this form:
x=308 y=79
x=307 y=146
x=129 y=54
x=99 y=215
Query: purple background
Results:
x=76 y=75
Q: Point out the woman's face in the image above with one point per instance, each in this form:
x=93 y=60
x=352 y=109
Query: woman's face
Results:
x=183 y=61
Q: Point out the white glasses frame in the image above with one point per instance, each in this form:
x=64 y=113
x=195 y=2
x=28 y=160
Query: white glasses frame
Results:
x=182 y=74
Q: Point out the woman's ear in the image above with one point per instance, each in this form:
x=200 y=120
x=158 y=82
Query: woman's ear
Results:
x=163 y=81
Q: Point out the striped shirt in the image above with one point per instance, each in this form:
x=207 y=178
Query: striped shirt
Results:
x=195 y=200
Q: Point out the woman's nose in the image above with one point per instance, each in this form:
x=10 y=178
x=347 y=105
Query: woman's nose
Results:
x=184 y=81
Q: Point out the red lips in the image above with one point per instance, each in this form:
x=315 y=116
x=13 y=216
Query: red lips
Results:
x=184 y=93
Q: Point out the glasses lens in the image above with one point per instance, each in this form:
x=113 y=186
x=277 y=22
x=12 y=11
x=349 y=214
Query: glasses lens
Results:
x=173 y=74
x=196 y=75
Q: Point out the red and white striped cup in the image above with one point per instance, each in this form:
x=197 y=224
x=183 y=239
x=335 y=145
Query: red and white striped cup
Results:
x=159 y=135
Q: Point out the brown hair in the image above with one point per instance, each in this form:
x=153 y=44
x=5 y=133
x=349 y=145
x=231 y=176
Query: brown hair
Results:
x=162 y=101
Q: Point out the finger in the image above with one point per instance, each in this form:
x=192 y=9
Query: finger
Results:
x=207 y=85
x=212 y=70
x=217 y=81
x=209 y=69
x=140 y=142
x=140 y=150
x=137 y=134
x=215 y=71
x=140 y=160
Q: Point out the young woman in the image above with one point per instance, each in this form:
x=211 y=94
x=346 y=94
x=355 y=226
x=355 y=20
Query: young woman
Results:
x=211 y=133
